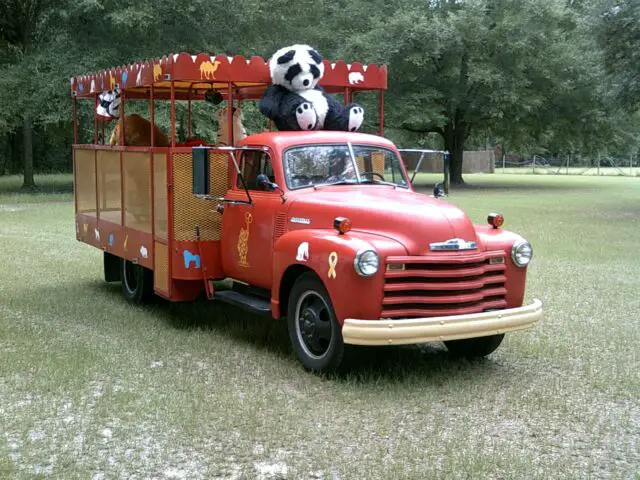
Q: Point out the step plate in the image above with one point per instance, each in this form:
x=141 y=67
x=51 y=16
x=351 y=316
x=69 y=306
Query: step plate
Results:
x=250 y=303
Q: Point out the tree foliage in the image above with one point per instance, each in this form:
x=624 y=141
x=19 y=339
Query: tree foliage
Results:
x=531 y=75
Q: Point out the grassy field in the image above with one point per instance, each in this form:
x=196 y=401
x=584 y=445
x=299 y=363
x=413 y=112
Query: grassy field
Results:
x=91 y=387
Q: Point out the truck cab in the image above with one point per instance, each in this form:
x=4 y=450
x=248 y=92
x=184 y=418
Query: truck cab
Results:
x=326 y=228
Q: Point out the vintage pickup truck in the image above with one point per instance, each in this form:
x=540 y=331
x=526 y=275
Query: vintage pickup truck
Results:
x=323 y=228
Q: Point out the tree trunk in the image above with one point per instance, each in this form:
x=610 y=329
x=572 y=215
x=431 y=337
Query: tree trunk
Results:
x=27 y=133
x=6 y=156
x=454 y=137
x=15 y=160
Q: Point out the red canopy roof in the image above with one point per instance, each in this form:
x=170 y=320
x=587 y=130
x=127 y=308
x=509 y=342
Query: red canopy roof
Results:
x=193 y=73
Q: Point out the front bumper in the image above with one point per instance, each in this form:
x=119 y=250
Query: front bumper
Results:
x=454 y=327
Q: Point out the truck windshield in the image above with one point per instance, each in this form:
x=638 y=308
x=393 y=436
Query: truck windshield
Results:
x=315 y=165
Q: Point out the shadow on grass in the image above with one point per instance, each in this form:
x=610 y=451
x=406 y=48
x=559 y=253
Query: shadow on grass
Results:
x=45 y=184
x=531 y=183
x=362 y=365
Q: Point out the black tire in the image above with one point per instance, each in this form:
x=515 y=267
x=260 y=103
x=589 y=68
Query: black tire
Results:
x=137 y=282
x=474 y=347
x=314 y=331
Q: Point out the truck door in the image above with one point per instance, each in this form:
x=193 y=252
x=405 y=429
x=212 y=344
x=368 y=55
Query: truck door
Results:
x=247 y=230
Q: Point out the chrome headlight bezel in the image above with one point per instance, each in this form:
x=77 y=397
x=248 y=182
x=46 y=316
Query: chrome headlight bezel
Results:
x=366 y=262
x=521 y=253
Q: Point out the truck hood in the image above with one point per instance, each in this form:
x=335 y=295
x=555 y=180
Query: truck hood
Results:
x=413 y=219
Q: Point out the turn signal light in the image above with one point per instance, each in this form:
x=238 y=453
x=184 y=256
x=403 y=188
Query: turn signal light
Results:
x=495 y=220
x=342 y=225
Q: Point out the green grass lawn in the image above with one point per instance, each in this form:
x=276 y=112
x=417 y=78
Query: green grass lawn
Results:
x=91 y=387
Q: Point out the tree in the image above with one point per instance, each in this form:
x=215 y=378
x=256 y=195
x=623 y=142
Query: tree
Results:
x=459 y=67
x=619 y=35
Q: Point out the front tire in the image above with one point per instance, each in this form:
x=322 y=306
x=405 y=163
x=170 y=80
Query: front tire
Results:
x=137 y=282
x=314 y=331
x=474 y=347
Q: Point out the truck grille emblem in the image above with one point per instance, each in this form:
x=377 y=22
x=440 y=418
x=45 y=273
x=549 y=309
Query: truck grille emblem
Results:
x=453 y=244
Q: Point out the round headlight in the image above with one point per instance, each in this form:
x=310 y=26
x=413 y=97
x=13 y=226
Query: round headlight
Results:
x=366 y=263
x=521 y=253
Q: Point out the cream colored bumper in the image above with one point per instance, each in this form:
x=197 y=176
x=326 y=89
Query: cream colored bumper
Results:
x=454 y=327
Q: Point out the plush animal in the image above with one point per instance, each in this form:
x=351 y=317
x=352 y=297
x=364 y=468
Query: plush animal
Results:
x=294 y=101
x=109 y=104
x=239 y=132
x=137 y=131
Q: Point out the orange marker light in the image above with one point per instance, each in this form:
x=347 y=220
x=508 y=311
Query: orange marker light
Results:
x=342 y=225
x=495 y=220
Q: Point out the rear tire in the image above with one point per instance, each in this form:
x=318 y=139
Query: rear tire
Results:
x=314 y=331
x=474 y=347
x=137 y=282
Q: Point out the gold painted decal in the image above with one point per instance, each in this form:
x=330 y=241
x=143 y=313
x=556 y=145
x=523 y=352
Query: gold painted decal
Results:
x=243 y=241
x=333 y=261
x=126 y=239
x=208 y=70
x=157 y=72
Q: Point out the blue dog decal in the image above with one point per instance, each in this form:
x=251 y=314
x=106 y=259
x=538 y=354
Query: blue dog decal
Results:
x=190 y=257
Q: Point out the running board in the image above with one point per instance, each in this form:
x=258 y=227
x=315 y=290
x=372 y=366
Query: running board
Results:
x=250 y=303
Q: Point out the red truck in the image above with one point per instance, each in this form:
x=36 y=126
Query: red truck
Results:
x=323 y=228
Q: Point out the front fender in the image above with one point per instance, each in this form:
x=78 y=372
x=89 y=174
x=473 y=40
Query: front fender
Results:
x=331 y=257
x=499 y=239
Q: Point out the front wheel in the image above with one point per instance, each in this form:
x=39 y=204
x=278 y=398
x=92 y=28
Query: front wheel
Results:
x=313 y=329
x=474 y=347
x=137 y=282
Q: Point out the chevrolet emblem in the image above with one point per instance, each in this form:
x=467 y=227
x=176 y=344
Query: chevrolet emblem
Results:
x=453 y=244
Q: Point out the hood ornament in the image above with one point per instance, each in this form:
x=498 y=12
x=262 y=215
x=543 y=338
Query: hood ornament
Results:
x=453 y=244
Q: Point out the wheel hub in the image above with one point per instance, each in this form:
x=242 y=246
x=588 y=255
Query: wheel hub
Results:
x=309 y=323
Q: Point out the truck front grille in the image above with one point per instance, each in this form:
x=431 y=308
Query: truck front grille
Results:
x=433 y=286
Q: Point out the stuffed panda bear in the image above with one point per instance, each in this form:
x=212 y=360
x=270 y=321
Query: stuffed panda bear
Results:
x=109 y=104
x=296 y=102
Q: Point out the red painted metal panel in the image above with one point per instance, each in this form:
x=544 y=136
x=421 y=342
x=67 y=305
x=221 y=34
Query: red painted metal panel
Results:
x=204 y=67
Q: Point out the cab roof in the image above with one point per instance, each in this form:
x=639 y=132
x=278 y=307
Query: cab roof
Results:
x=280 y=141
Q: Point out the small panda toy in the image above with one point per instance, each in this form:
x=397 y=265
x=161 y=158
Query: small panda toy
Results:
x=296 y=102
x=109 y=104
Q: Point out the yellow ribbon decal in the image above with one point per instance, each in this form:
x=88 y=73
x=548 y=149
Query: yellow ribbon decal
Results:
x=333 y=261
x=126 y=239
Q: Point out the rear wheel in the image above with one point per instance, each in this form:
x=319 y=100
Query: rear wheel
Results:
x=137 y=282
x=474 y=347
x=314 y=331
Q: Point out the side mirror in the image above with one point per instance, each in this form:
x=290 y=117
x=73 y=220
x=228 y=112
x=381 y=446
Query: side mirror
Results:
x=263 y=182
x=438 y=190
x=200 y=162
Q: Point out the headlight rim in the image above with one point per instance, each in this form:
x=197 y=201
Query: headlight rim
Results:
x=358 y=258
x=514 y=249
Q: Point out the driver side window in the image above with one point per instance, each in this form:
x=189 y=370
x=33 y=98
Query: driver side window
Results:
x=252 y=164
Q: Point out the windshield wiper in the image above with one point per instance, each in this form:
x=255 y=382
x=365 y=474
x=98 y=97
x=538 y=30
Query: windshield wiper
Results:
x=339 y=182
x=378 y=182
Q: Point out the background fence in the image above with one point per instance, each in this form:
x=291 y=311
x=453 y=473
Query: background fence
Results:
x=490 y=161
x=570 y=165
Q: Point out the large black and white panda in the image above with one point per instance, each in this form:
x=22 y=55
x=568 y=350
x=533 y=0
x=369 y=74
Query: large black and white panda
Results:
x=294 y=101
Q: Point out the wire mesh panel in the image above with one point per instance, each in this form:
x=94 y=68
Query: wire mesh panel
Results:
x=161 y=267
x=85 y=172
x=109 y=186
x=377 y=162
x=189 y=211
x=160 y=213
x=137 y=190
